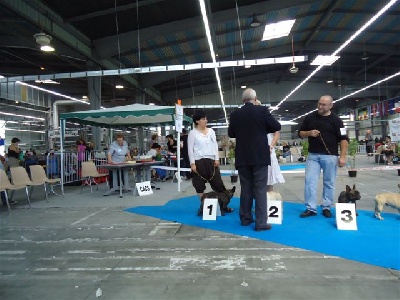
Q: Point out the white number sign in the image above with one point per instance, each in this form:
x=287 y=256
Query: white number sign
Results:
x=274 y=212
x=211 y=209
x=346 y=218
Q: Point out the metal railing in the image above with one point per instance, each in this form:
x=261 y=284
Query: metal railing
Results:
x=72 y=164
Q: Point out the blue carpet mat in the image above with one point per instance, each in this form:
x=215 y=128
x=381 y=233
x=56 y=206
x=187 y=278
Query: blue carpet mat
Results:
x=375 y=242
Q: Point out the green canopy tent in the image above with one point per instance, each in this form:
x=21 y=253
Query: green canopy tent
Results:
x=135 y=115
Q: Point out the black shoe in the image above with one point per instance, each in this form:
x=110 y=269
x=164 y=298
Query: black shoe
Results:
x=326 y=213
x=247 y=223
x=268 y=227
x=307 y=213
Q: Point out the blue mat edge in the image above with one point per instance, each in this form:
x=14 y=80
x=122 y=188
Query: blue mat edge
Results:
x=325 y=246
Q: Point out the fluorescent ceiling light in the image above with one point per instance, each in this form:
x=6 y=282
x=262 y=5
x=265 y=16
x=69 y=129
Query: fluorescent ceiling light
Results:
x=212 y=52
x=277 y=30
x=25 y=130
x=119 y=86
x=23 y=116
x=330 y=80
x=47 y=81
x=51 y=92
x=243 y=87
x=47 y=48
x=287 y=122
x=84 y=97
x=1 y=76
x=337 y=51
x=324 y=60
x=356 y=92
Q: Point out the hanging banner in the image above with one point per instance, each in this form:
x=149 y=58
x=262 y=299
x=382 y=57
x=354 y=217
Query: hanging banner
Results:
x=178 y=118
x=394 y=129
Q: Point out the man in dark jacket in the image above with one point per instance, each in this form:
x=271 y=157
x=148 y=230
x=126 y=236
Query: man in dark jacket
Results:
x=250 y=125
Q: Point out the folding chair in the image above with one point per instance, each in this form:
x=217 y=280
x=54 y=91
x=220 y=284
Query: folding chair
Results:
x=20 y=177
x=38 y=176
x=89 y=173
x=5 y=185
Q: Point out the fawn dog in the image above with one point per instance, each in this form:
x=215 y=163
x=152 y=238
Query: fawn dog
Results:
x=389 y=199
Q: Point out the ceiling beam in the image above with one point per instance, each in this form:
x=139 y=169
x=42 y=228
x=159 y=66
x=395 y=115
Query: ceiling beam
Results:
x=112 y=10
x=107 y=47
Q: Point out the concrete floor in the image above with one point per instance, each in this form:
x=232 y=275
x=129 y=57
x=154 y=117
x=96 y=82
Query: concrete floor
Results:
x=74 y=246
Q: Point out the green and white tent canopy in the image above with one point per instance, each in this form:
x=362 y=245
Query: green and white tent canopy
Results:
x=134 y=115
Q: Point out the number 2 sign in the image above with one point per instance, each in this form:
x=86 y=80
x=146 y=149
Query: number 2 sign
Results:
x=274 y=212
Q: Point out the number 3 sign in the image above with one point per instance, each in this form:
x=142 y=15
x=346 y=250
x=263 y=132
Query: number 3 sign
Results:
x=346 y=216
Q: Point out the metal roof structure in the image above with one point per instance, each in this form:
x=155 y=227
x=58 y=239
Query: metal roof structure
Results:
x=110 y=35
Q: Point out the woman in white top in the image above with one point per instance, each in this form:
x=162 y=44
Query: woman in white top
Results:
x=274 y=171
x=203 y=156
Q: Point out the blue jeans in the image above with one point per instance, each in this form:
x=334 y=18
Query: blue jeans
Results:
x=315 y=163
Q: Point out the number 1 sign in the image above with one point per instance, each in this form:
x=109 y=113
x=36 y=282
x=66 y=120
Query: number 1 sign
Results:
x=211 y=209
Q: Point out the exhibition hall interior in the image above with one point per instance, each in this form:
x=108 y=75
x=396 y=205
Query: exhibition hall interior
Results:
x=82 y=74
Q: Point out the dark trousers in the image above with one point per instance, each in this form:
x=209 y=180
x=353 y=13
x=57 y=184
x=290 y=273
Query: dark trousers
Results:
x=207 y=172
x=111 y=178
x=253 y=181
x=185 y=163
x=3 y=198
x=369 y=149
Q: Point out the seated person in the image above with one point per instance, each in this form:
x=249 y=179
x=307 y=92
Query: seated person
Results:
x=171 y=145
x=286 y=150
x=388 y=150
x=155 y=151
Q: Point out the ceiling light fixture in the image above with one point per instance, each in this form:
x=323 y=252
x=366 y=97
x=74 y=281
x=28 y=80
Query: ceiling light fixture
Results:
x=357 y=33
x=243 y=86
x=293 y=69
x=356 y=92
x=119 y=86
x=324 y=60
x=255 y=22
x=277 y=30
x=44 y=41
x=330 y=80
x=212 y=52
x=50 y=92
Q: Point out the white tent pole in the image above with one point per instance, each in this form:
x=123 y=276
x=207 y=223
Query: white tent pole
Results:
x=62 y=135
x=178 y=159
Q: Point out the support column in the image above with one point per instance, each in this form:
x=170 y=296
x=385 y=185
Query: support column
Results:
x=94 y=95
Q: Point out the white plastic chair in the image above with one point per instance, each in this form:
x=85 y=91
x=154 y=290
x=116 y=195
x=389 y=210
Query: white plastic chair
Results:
x=20 y=177
x=38 y=176
x=89 y=173
x=6 y=185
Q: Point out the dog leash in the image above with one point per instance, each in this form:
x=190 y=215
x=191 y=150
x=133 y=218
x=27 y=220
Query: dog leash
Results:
x=205 y=178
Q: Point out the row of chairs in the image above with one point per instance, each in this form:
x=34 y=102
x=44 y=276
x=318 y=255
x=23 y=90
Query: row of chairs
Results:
x=20 y=180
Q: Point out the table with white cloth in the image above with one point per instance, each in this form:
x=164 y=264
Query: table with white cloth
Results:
x=117 y=171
